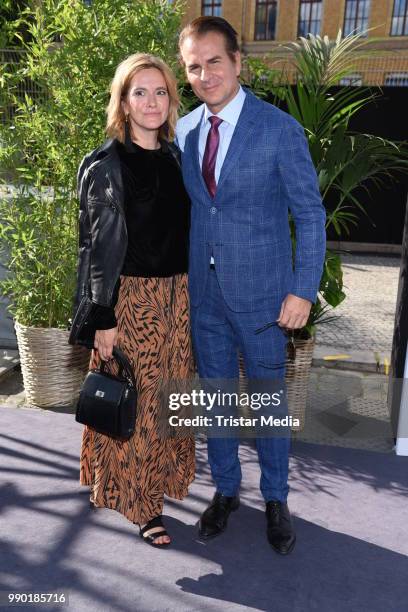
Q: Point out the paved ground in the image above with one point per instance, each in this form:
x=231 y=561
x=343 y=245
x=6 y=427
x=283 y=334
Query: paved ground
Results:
x=366 y=317
x=9 y=358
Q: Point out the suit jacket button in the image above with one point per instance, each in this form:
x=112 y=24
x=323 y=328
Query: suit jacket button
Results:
x=213 y=210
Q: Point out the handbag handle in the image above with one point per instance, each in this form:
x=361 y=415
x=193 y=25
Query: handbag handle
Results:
x=124 y=365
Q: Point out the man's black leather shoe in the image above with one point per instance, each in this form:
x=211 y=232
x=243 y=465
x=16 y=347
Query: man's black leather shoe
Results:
x=281 y=535
x=214 y=519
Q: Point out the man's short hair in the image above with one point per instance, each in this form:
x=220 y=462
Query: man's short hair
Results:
x=203 y=25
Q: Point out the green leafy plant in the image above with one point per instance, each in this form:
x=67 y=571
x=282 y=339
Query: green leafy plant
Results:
x=344 y=160
x=70 y=53
x=10 y=11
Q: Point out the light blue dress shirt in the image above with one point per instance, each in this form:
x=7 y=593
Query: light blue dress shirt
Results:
x=229 y=115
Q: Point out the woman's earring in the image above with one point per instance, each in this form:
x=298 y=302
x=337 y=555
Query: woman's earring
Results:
x=128 y=138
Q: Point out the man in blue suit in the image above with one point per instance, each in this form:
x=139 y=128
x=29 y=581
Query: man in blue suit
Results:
x=245 y=165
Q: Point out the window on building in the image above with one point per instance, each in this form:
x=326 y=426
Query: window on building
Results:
x=351 y=80
x=211 y=8
x=265 y=19
x=396 y=79
x=399 y=23
x=356 y=17
x=310 y=17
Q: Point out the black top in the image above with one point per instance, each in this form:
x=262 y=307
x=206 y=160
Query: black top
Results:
x=157 y=211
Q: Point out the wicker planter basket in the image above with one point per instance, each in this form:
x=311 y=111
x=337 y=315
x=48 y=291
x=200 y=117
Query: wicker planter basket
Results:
x=52 y=369
x=297 y=379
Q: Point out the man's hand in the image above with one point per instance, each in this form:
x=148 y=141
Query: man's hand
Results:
x=294 y=312
x=105 y=339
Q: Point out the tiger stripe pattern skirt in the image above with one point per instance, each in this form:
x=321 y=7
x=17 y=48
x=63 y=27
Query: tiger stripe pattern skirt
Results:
x=132 y=476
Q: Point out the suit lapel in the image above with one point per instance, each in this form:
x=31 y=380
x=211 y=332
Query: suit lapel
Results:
x=243 y=129
x=193 y=139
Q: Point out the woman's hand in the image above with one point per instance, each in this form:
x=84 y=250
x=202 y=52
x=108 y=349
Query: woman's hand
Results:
x=105 y=340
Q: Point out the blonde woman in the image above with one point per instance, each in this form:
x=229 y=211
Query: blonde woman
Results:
x=132 y=287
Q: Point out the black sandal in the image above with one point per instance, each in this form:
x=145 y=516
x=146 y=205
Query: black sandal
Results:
x=151 y=537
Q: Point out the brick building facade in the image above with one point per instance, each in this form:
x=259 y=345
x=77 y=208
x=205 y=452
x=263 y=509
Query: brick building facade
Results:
x=264 y=26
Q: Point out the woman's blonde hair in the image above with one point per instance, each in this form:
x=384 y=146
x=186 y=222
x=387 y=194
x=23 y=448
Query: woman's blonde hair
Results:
x=115 y=124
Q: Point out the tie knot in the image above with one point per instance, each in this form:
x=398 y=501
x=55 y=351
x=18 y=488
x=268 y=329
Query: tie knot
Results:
x=215 y=121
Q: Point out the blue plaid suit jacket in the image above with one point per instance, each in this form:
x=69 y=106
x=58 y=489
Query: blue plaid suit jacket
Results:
x=266 y=173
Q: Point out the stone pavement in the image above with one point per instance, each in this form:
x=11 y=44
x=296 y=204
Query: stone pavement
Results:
x=364 y=326
x=9 y=358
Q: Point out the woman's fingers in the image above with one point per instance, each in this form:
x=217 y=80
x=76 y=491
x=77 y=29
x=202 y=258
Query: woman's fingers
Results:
x=105 y=340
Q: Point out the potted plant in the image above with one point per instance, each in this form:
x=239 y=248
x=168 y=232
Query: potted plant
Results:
x=56 y=96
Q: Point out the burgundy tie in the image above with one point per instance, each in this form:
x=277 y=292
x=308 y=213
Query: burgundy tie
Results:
x=210 y=155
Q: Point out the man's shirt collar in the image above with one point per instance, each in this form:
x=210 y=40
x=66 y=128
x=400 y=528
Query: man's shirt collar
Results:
x=230 y=113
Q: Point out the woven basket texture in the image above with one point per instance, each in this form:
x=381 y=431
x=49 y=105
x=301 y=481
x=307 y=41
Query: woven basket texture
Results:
x=52 y=369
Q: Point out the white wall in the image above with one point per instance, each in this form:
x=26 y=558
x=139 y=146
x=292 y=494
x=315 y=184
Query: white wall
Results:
x=402 y=435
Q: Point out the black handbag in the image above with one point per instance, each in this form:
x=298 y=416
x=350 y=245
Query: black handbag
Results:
x=107 y=403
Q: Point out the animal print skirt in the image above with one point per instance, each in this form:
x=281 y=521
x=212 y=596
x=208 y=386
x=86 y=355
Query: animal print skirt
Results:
x=132 y=476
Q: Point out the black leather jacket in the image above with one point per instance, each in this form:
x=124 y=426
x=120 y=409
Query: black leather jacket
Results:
x=102 y=235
